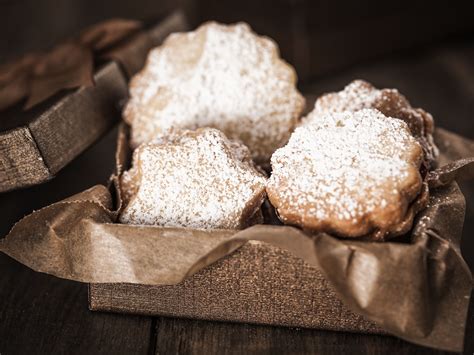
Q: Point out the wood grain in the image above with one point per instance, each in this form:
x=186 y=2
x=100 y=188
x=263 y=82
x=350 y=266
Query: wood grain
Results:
x=179 y=336
x=40 y=314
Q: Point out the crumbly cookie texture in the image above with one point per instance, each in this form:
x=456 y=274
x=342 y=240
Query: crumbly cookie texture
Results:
x=360 y=94
x=348 y=173
x=196 y=179
x=221 y=76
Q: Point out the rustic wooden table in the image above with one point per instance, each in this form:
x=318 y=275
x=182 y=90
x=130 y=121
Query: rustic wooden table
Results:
x=40 y=314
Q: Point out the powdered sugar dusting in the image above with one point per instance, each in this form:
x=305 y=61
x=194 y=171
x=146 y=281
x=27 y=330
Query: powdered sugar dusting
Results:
x=346 y=172
x=191 y=179
x=360 y=94
x=218 y=76
x=355 y=96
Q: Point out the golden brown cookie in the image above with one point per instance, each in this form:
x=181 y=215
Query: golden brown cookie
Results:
x=360 y=94
x=197 y=179
x=350 y=173
x=221 y=76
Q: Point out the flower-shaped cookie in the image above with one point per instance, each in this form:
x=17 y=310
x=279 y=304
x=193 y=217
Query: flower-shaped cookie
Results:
x=349 y=173
x=221 y=76
x=360 y=94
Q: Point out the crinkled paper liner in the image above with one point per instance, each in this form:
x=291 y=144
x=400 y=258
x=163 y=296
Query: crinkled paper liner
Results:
x=418 y=291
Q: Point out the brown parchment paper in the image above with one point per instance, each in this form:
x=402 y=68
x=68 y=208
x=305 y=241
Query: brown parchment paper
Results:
x=418 y=291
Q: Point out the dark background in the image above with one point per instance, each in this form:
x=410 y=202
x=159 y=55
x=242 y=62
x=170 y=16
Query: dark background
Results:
x=425 y=49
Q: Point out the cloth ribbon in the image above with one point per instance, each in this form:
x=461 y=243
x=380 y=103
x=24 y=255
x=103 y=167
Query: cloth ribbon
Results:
x=38 y=76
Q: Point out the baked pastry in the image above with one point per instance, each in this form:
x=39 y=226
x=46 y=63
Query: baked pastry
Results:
x=221 y=76
x=197 y=179
x=360 y=94
x=349 y=173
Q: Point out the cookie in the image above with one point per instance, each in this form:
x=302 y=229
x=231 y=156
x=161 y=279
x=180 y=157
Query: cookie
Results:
x=221 y=76
x=354 y=174
x=196 y=179
x=360 y=94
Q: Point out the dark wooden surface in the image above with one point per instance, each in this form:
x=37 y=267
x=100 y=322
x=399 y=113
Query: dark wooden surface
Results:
x=40 y=314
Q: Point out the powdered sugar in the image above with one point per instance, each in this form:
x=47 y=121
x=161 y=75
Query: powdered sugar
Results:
x=217 y=76
x=355 y=96
x=360 y=94
x=192 y=179
x=346 y=172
